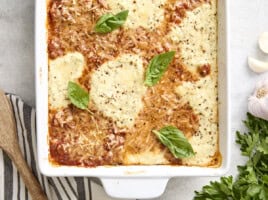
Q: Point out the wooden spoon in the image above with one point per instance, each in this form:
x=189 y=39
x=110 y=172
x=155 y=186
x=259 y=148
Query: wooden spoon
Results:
x=9 y=143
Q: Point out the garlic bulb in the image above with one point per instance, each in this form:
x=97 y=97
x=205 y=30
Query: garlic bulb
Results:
x=258 y=102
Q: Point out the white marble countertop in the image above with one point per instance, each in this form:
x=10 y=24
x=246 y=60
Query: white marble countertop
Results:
x=247 y=20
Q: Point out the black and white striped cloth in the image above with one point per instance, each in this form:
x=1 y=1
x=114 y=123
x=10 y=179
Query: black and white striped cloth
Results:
x=11 y=184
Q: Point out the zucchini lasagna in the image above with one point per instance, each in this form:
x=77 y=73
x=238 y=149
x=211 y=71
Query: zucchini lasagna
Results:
x=103 y=111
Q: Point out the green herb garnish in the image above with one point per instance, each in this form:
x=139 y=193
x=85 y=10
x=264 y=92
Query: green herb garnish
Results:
x=109 y=22
x=252 y=180
x=157 y=67
x=78 y=96
x=175 y=141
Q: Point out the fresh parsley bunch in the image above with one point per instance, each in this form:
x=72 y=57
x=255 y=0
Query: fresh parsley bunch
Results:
x=252 y=181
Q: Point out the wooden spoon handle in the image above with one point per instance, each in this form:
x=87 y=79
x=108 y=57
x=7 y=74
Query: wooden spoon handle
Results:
x=29 y=179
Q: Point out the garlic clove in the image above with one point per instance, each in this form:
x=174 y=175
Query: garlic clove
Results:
x=257 y=65
x=263 y=42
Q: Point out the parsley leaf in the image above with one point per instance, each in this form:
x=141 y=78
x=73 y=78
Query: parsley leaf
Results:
x=252 y=180
x=247 y=142
x=109 y=22
x=157 y=67
x=217 y=190
x=78 y=96
x=175 y=141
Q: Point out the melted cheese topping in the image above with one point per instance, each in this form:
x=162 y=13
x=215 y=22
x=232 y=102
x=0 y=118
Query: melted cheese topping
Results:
x=201 y=97
x=148 y=14
x=196 y=37
x=61 y=71
x=146 y=158
x=117 y=88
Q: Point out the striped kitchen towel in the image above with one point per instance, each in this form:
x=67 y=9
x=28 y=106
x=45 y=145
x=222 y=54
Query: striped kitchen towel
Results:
x=11 y=184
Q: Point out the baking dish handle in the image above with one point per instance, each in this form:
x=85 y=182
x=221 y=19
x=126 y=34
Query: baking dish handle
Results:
x=134 y=188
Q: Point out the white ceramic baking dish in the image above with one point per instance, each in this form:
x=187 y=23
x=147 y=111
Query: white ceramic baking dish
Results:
x=129 y=181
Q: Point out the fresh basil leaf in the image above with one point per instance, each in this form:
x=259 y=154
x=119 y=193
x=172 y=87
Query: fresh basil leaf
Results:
x=101 y=25
x=78 y=96
x=109 y=22
x=157 y=67
x=175 y=141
